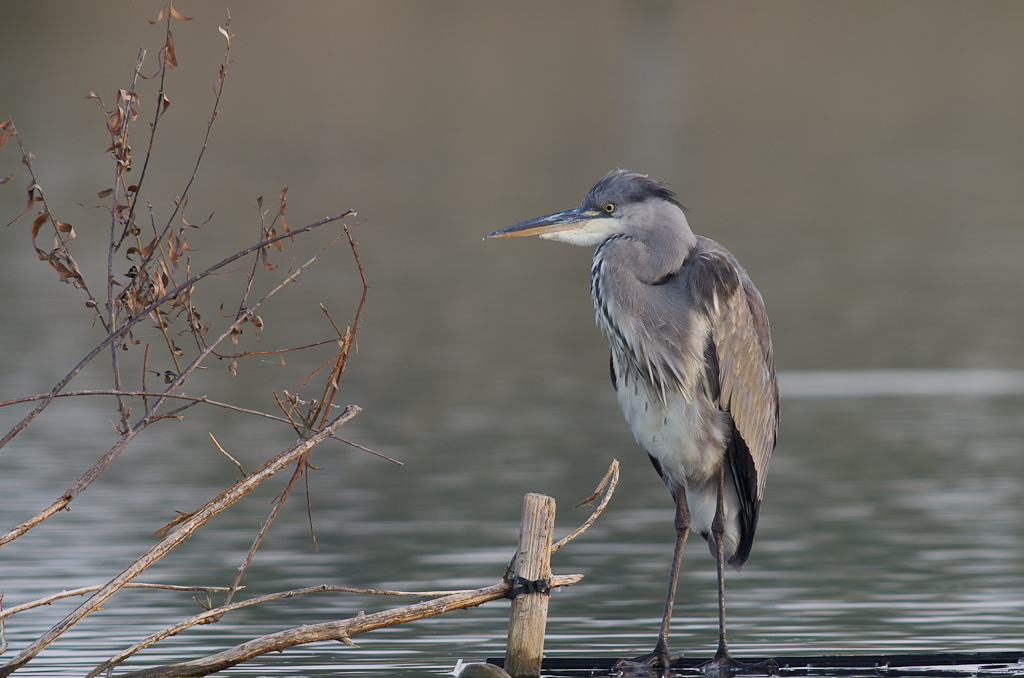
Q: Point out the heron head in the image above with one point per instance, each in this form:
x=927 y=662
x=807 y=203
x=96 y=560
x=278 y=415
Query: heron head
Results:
x=616 y=204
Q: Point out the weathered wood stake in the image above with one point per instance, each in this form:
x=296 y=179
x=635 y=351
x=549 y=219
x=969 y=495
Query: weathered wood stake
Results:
x=529 y=614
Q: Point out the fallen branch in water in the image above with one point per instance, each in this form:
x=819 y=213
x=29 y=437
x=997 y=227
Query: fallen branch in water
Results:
x=341 y=631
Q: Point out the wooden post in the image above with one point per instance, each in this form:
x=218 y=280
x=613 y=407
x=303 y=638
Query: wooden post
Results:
x=529 y=614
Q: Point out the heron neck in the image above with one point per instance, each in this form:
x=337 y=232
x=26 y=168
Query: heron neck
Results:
x=660 y=245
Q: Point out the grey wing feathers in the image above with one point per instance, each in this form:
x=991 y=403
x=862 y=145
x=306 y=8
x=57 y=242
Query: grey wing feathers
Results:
x=746 y=365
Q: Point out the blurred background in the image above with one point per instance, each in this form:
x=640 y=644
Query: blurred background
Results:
x=864 y=161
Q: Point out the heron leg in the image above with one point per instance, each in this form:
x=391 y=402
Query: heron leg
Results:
x=723 y=663
x=661 y=658
x=722 y=657
x=682 y=523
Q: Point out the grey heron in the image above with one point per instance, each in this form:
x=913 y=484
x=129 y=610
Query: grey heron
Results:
x=691 y=364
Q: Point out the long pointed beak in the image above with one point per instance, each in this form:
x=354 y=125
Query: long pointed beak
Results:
x=552 y=223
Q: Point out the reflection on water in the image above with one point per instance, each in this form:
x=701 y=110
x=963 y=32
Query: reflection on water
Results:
x=875 y=383
x=863 y=160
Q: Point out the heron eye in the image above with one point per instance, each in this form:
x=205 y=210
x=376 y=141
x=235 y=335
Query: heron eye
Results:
x=609 y=207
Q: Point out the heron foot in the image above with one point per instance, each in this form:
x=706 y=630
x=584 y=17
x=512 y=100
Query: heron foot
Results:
x=656 y=663
x=723 y=665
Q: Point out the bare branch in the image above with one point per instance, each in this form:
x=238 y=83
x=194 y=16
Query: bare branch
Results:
x=175 y=538
x=119 y=168
x=209 y=616
x=89 y=589
x=341 y=630
x=613 y=476
x=281 y=499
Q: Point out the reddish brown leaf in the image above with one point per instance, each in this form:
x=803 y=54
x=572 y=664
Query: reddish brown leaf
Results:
x=6 y=131
x=32 y=198
x=65 y=272
x=164 y=102
x=177 y=15
x=6 y=179
x=65 y=227
x=114 y=121
x=159 y=18
x=169 y=58
x=37 y=224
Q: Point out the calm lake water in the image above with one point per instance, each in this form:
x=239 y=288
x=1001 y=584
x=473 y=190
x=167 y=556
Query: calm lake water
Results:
x=863 y=160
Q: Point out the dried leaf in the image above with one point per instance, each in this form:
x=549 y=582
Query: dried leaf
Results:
x=169 y=58
x=66 y=274
x=38 y=223
x=158 y=19
x=65 y=227
x=177 y=15
x=148 y=249
x=32 y=198
x=6 y=131
x=6 y=179
x=114 y=121
x=164 y=102
x=104 y=193
x=259 y=202
x=225 y=34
